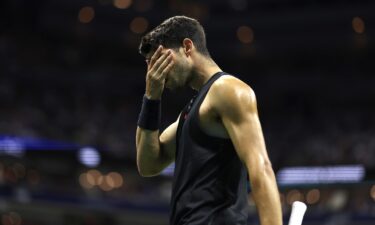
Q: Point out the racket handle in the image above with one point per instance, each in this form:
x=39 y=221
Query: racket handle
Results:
x=298 y=211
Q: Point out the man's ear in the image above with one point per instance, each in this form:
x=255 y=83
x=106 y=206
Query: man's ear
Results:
x=188 y=46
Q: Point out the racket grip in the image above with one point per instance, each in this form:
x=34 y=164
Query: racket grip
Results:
x=298 y=211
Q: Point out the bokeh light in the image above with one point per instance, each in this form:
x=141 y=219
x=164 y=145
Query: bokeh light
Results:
x=358 y=25
x=83 y=181
x=86 y=14
x=372 y=192
x=313 y=196
x=110 y=181
x=294 y=195
x=245 y=34
x=94 y=177
x=90 y=179
x=89 y=156
x=122 y=4
x=116 y=178
x=338 y=200
x=139 y=25
x=12 y=147
x=107 y=184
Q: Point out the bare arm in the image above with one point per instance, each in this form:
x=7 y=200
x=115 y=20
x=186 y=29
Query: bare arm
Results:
x=235 y=103
x=154 y=153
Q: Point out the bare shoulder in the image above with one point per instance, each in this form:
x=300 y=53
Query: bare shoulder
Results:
x=228 y=92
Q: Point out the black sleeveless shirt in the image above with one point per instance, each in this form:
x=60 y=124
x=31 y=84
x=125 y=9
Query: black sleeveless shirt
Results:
x=210 y=181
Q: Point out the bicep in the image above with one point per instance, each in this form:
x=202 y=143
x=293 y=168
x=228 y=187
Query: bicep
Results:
x=239 y=115
x=246 y=134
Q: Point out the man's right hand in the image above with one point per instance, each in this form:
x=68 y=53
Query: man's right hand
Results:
x=157 y=69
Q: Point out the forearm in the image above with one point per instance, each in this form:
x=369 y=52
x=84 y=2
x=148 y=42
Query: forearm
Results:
x=147 y=137
x=149 y=158
x=148 y=151
x=267 y=199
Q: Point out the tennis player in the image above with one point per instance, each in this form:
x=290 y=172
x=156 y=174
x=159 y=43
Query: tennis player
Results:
x=215 y=142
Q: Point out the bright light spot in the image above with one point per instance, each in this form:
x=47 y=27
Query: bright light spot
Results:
x=90 y=179
x=245 y=34
x=11 y=147
x=358 y=25
x=122 y=4
x=116 y=178
x=328 y=174
x=86 y=14
x=107 y=184
x=110 y=181
x=372 y=192
x=83 y=181
x=169 y=171
x=313 y=196
x=337 y=200
x=89 y=157
x=294 y=195
x=139 y=25
x=96 y=176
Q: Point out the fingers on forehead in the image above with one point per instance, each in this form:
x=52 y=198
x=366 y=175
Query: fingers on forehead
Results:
x=154 y=54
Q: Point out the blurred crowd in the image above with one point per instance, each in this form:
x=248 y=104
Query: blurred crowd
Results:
x=333 y=138
x=90 y=95
x=100 y=109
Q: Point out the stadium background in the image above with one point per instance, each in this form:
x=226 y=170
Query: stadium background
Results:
x=71 y=84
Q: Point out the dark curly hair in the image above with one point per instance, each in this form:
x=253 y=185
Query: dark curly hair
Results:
x=172 y=32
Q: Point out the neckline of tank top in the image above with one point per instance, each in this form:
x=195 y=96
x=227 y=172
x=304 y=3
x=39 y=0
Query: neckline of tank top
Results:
x=211 y=78
x=204 y=85
x=192 y=100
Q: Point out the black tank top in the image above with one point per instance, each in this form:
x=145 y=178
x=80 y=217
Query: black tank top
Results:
x=210 y=181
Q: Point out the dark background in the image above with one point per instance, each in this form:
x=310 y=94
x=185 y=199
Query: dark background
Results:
x=70 y=72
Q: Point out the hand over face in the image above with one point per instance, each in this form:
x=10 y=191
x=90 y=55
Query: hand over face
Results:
x=157 y=69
